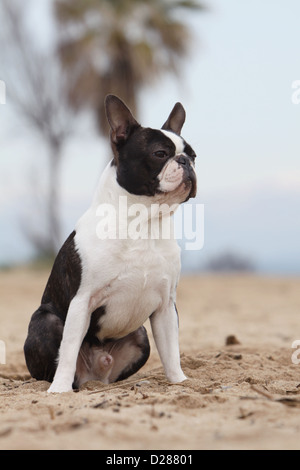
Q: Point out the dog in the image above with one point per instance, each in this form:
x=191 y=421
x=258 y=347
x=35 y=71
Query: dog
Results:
x=102 y=289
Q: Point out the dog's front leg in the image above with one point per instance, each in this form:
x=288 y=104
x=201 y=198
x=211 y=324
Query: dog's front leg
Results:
x=164 y=324
x=76 y=326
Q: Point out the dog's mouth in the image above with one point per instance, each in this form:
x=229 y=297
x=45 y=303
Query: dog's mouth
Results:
x=191 y=185
x=189 y=182
x=178 y=176
x=186 y=189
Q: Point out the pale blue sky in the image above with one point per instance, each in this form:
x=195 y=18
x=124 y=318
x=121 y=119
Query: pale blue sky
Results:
x=236 y=88
x=238 y=92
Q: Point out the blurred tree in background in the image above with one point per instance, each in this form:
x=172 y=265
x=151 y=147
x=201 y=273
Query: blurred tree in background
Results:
x=230 y=261
x=101 y=47
x=119 y=46
x=37 y=87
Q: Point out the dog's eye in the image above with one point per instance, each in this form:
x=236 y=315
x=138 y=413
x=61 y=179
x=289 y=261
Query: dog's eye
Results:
x=160 y=154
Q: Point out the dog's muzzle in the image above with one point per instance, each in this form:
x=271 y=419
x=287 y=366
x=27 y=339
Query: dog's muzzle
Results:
x=189 y=175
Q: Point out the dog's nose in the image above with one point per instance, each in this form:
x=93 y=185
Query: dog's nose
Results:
x=183 y=160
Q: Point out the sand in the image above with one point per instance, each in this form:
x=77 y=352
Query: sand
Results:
x=238 y=396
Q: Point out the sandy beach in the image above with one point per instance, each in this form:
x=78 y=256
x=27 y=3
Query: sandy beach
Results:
x=244 y=395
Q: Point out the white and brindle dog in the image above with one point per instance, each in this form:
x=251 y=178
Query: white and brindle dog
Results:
x=101 y=290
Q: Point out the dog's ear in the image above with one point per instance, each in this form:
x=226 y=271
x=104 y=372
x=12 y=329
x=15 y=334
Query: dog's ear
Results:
x=120 y=119
x=176 y=119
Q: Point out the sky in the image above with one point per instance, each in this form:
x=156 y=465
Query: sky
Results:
x=236 y=87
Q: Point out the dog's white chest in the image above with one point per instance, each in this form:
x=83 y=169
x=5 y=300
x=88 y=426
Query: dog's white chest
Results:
x=145 y=281
x=131 y=278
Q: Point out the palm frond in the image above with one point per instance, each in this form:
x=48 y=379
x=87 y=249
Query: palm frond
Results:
x=118 y=46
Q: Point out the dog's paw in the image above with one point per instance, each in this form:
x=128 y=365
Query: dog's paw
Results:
x=57 y=387
x=177 y=378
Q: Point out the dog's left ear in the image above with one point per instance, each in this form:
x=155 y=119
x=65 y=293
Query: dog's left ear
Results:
x=176 y=119
x=120 y=119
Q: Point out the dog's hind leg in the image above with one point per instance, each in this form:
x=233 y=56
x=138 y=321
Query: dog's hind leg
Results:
x=42 y=343
x=130 y=354
x=112 y=360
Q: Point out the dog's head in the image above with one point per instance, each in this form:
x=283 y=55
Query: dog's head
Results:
x=151 y=162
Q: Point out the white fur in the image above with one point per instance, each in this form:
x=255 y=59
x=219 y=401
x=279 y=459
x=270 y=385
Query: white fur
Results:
x=171 y=175
x=176 y=139
x=132 y=278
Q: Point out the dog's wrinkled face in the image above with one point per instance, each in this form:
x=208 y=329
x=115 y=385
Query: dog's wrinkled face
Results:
x=149 y=161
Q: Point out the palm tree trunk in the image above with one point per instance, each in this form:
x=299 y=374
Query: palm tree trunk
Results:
x=54 y=239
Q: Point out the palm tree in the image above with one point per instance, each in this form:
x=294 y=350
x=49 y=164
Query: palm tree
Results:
x=119 y=46
x=38 y=94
